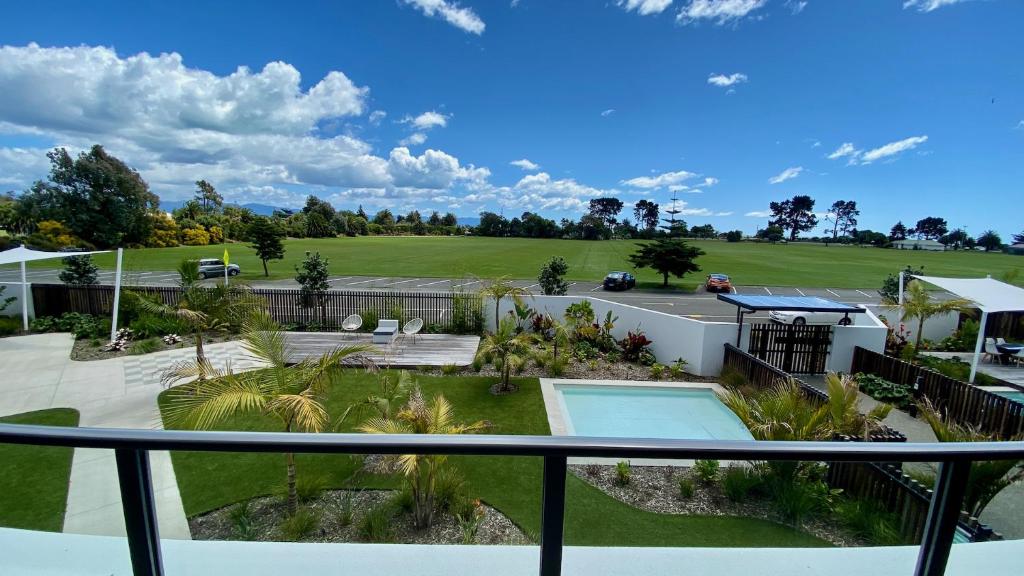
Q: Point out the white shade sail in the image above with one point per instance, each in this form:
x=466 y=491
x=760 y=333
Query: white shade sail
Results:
x=989 y=294
x=22 y=254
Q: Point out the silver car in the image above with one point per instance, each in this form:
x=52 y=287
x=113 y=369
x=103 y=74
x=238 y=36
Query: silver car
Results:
x=801 y=318
x=214 y=267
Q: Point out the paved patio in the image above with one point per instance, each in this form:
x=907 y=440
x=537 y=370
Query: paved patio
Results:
x=1014 y=374
x=403 y=352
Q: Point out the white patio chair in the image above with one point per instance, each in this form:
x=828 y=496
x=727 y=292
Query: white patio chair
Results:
x=1018 y=357
x=991 y=352
x=1000 y=341
x=412 y=328
x=352 y=323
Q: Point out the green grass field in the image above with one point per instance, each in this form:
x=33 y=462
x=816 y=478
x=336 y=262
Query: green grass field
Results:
x=511 y=484
x=803 y=265
x=34 y=479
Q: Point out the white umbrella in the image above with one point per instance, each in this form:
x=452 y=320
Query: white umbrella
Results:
x=20 y=255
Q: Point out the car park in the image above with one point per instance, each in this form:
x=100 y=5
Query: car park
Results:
x=619 y=281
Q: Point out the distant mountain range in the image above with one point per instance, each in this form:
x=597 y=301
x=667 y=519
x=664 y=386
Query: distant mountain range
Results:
x=267 y=210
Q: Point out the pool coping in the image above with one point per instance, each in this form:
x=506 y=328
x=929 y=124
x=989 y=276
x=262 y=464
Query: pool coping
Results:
x=555 y=409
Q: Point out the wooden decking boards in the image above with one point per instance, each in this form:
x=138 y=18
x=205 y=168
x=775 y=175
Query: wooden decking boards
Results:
x=403 y=352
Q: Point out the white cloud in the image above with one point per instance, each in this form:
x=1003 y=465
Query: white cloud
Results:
x=525 y=164
x=608 y=112
x=659 y=181
x=724 y=81
x=462 y=18
x=759 y=214
x=645 y=7
x=721 y=11
x=540 y=192
x=433 y=170
x=376 y=116
x=686 y=210
x=787 y=174
x=427 y=120
x=845 y=149
x=929 y=5
x=892 y=149
x=1020 y=125
x=796 y=6
x=709 y=181
x=414 y=139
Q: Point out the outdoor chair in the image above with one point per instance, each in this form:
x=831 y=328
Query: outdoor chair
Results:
x=385 y=332
x=412 y=328
x=991 y=352
x=352 y=323
x=1000 y=341
x=1018 y=356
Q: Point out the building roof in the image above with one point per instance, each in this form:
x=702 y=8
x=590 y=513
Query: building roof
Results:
x=790 y=303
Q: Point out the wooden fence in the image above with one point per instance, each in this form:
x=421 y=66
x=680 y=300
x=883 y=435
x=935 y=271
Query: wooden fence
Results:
x=441 y=311
x=762 y=375
x=795 y=349
x=961 y=402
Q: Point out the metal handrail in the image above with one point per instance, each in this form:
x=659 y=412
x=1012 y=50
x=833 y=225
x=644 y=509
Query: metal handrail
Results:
x=132 y=455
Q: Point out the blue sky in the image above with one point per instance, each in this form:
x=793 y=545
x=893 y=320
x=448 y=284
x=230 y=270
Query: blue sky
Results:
x=426 y=103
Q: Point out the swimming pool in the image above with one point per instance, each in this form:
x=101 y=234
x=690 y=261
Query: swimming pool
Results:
x=647 y=412
x=1012 y=395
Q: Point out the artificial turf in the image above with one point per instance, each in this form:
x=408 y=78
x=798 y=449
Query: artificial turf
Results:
x=34 y=479
x=797 y=264
x=512 y=484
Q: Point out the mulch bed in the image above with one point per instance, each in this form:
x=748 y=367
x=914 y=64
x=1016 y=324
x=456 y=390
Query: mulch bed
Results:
x=85 y=349
x=656 y=489
x=267 y=513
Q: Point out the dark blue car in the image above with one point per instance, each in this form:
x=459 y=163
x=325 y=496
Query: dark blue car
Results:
x=619 y=281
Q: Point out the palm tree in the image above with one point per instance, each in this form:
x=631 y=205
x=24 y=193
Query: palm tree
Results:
x=204 y=309
x=917 y=303
x=781 y=412
x=987 y=477
x=420 y=471
x=843 y=408
x=507 y=346
x=383 y=404
x=560 y=333
x=291 y=393
x=498 y=289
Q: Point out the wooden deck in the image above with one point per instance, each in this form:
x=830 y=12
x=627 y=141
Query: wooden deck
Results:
x=426 y=350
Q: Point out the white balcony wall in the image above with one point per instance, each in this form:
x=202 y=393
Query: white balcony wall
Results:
x=14 y=291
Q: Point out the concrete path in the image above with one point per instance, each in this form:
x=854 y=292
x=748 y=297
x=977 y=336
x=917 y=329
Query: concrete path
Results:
x=113 y=393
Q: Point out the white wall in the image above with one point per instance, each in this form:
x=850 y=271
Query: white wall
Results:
x=14 y=308
x=935 y=328
x=867 y=332
x=700 y=344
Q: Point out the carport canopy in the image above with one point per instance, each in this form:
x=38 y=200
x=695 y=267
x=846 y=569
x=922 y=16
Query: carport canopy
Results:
x=988 y=294
x=20 y=255
x=746 y=303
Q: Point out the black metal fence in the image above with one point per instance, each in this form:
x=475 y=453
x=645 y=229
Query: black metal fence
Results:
x=449 y=312
x=132 y=449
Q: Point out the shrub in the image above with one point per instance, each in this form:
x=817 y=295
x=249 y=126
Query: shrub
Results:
x=478 y=364
x=195 y=237
x=375 y=525
x=797 y=500
x=551 y=277
x=448 y=487
x=9 y=326
x=241 y=521
x=706 y=470
x=738 y=482
x=557 y=367
x=469 y=521
x=647 y=358
x=900 y=395
x=686 y=488
x=623 y=473
x=657 y=371
x=580 y=313
x=299 y=526
x=370 y=319
x=403 y=500
x=81 y=325
x=144 y=346
x=868 y=520
x=676 y=369
x=309 y=488
x=584 y=350
x=449 y=369
x=633 y=345
x=732 y=378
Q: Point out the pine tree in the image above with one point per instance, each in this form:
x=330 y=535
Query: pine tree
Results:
x=267 y=239
x=79 y=271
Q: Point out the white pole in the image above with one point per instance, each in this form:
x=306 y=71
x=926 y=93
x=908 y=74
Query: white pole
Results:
x=117 y=294
x=225 y=273
x=900 y=300
x=977 y=346
x=24 y=298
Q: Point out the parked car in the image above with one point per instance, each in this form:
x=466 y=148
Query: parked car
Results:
x=214 y=267
x=803 y=318
x=718 y=283
x=619 y=281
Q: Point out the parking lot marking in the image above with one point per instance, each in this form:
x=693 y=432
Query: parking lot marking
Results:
x=598 y=287
x=365 y=281
x=832 y=293
x=338 y=279
x=864 y=293
x=767 y=290
x=466 y=284
x=403 y=282
x=531 y=286
x=432 y=283
x=800 y=292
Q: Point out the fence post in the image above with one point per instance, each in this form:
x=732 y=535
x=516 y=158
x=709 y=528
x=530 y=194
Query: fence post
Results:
x=139 y=511
x=943 y=513
x=552 y=517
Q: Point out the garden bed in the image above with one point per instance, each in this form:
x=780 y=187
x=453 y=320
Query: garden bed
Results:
x=85 y=350
x=340 y=516
x=597 y=369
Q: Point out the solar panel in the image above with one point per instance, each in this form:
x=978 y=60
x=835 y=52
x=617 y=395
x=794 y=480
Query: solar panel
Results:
x=795 y=303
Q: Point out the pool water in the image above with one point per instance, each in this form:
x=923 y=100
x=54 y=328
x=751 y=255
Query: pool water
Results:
x=1012 y=395
x=648 y=412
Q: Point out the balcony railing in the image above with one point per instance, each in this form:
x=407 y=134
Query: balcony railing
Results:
x=132 y=447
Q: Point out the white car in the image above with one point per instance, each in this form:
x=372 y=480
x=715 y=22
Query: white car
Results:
x=799 y=318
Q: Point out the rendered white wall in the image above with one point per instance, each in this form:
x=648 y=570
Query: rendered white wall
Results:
x=935 y=328
x=14 y=308
x=867 y=332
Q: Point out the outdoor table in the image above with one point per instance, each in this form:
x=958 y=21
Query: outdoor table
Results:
x=1007 y=349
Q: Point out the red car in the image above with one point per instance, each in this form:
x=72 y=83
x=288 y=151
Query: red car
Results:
x=718 y=283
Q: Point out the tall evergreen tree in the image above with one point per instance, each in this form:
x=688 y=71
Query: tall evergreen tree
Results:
x=267 y=240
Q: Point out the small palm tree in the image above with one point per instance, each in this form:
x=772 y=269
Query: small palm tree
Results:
x=204 y=309
x=498 y=289
x=420 y=471
x=987 y=478
x=291 y=393
x=843 y=407
x=507 y=346
x=781 y=412
x=917 y=303
x=560 y=334
x=383 y=404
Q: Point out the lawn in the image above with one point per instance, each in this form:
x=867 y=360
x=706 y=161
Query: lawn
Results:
x=34 y=479
x=208 y=480
x=803 y=265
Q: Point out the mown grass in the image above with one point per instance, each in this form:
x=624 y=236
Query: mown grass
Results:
x=513 y=485
x=34 y=479
x=802 y=265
